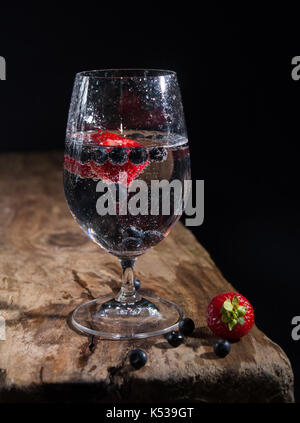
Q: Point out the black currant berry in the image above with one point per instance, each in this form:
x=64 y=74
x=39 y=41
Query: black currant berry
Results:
x=138 y=155
x=186 y=326
x=158 y=154
x=175 y=338
x=222 y=348
x=134 y=232
x=118 y=155
x=131 y=244
x=99 y=155
x=85 y=155
x=152 y=238
x=137 y=358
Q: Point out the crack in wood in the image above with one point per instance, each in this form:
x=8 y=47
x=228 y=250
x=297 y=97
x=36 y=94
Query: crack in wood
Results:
x=42 y=374
x=115 y=370
x=2 y=376
x=92 y=344
x=82 y=284
x=86 y=351
x=114 y=385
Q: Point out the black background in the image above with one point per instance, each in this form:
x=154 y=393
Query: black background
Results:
x=242 y=109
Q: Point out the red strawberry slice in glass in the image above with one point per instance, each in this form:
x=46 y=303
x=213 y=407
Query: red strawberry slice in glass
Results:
x=110 y=172
x=82 y=169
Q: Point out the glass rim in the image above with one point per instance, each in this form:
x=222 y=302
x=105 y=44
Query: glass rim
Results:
x=128 y=73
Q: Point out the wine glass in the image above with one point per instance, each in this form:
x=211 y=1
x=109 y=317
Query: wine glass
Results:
x=126 y=129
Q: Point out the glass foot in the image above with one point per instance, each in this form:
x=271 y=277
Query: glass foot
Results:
x=111 y=319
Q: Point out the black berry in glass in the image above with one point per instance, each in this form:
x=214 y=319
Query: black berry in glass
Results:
x=158 y=154
x=138 y=155
x=118 y=155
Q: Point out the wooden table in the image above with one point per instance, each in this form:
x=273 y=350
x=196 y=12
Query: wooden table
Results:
x=48 y=266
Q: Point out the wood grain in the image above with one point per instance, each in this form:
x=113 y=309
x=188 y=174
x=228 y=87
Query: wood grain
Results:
x=48 y=267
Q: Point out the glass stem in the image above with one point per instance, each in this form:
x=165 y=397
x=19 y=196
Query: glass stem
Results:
x=128 y=293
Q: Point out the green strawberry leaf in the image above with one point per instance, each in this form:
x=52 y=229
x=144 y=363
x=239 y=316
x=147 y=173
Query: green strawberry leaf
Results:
x=227 y=305
x=241 y=311
x=232 y=313
x=225 y=318
x=232 y=324
x=241 y=321
x=235 y=301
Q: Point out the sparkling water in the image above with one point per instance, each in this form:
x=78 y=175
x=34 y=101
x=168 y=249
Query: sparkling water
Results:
x=88 y=161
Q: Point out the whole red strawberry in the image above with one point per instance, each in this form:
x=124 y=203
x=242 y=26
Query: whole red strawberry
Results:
x=230 y=315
